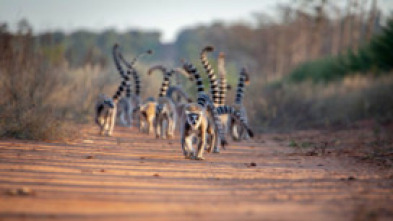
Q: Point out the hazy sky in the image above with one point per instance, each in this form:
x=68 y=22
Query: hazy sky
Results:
x=166 y=16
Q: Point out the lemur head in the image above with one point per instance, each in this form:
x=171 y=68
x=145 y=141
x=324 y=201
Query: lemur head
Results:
x=194 y=118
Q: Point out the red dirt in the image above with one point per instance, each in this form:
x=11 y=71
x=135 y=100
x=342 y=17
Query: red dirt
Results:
x=132 y=176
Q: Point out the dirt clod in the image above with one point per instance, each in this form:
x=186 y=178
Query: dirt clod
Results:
x=23 y=191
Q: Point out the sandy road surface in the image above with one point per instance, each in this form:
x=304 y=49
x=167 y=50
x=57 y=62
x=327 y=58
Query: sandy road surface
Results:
x=131 y=176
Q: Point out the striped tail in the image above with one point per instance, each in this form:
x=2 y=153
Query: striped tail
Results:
x=128 y=83
x=137 y=81
x=236 y=115
x=165 y=82
x=191 y=69
x=120 y=89
x=222 y=77
x=205 y=101
x=115 y=54
x=243 y=80
x=210 y=74
x=179 y=90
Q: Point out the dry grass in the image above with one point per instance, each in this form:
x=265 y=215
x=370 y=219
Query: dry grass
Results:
x=308 y=105
x=42 y=95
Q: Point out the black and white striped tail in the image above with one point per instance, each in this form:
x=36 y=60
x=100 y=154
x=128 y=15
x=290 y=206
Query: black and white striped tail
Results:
x=210 y=74
x=115 y=54
x=243 y=79
x=128 y=85
x=130 y=66
x=191 y=69
x=223 y=79
x=235 y=114
x=120 y=89
x=137 y=82
x=167 y=75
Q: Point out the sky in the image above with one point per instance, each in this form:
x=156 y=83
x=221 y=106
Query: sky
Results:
x=166 y=16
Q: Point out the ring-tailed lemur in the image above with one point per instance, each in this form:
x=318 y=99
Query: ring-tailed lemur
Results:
x=124 y=106
x=198 y=120
x=106 y=110
x=213 y=87
x=166 y=111
x=237 y=132
x=237 y=116
x=136 y=99
x=147 y=112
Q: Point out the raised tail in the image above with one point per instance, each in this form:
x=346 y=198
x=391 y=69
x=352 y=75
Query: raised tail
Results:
x=130 y=66
x=165 y=83
x=191 y=69
x=222 y=77
x=115 y=55
x=210 y=74
x=225 y=109
x=244 y=79
x=120 y=89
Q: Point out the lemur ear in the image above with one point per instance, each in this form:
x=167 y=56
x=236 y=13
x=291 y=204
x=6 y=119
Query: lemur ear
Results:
x=187 y=112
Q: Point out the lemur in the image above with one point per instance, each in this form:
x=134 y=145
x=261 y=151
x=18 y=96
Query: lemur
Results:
x=165 y=110
x=197 y=123
x=136 y=99
x=213 y=83
x=124 y=106
x=106 y=110
x=238 y=117
x=147 y=115
x=237 y=132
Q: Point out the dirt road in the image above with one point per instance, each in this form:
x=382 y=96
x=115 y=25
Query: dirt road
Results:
x=131 y=176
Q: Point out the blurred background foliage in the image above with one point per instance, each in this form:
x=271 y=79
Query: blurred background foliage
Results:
x=319 y=64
